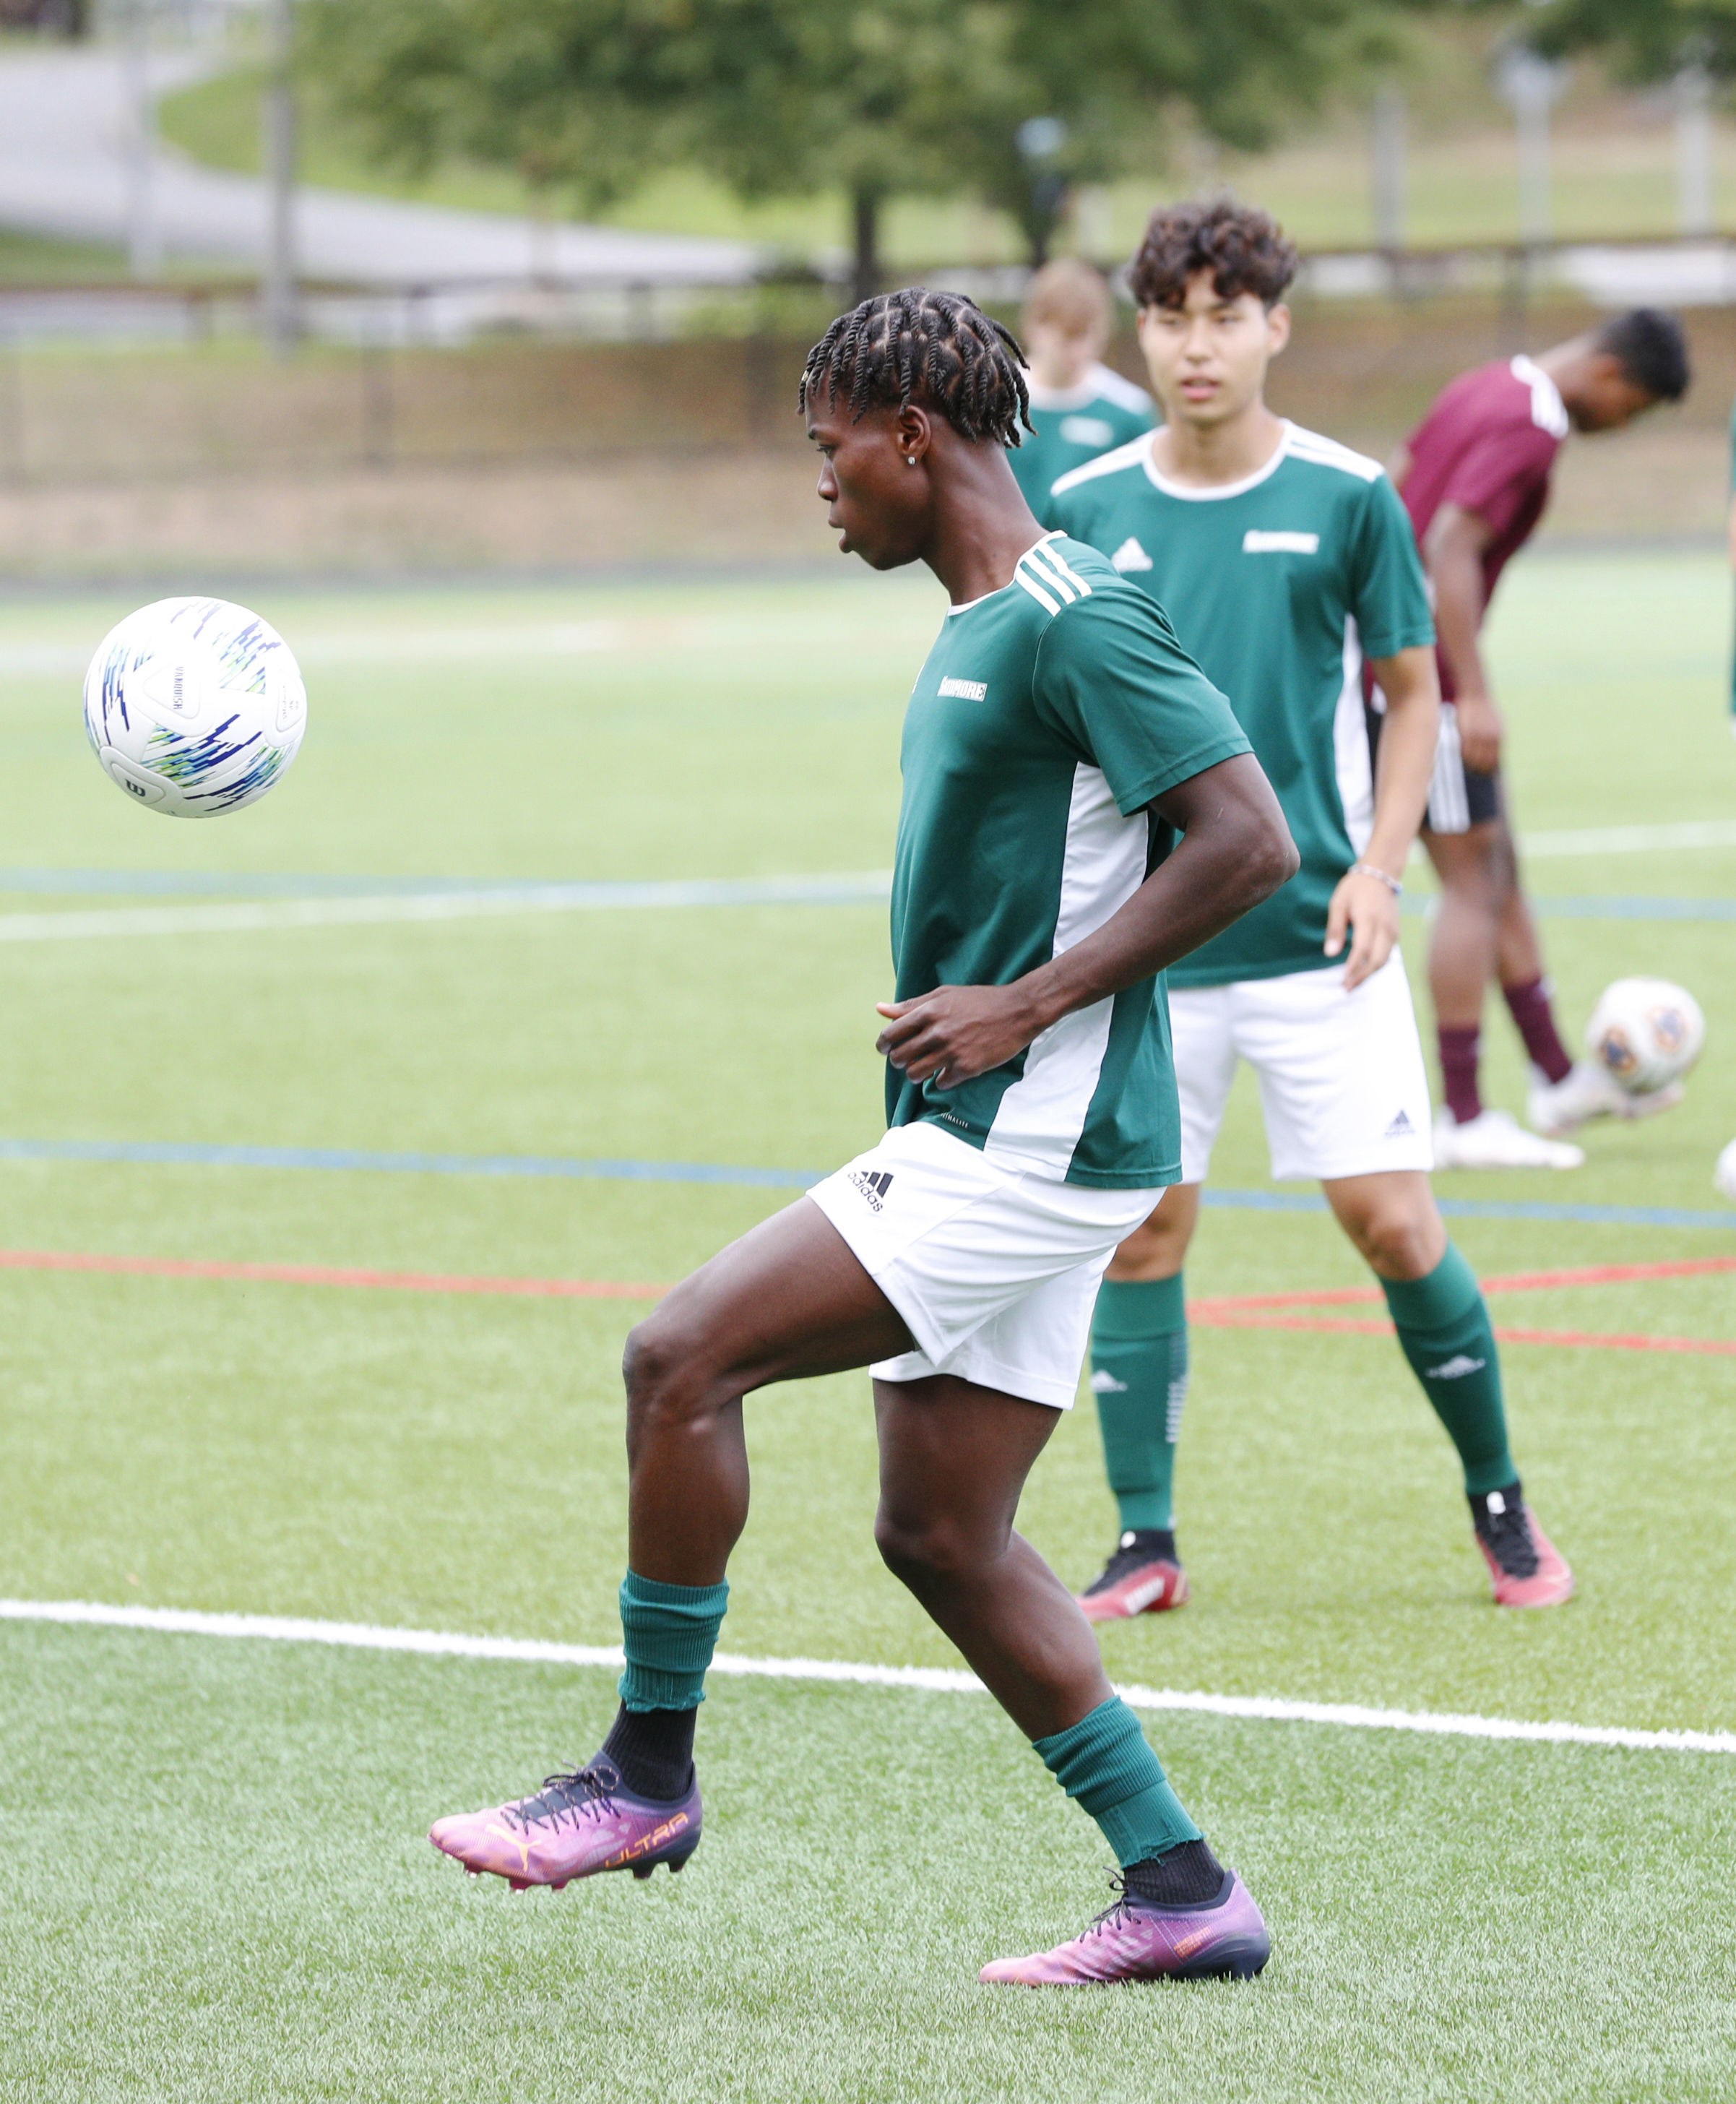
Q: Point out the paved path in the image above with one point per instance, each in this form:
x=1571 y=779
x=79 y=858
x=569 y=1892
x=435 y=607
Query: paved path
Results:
x=64 y=173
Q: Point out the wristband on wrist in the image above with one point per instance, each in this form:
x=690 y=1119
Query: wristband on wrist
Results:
x=1379 y=875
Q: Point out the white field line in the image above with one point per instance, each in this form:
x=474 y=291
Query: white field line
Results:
x=497 y=901
x=553 y=639
x=363 y=1636
x=1623 y=840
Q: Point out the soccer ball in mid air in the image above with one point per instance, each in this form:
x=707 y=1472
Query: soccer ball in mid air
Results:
x=1724 y=1176
x=1646 y=1034
x=194 y=706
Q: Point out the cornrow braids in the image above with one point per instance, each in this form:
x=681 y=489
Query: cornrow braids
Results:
x=938 y=349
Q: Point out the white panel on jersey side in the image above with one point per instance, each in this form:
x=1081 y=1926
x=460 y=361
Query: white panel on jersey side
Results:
x=1041 y=1117
x=1350 y=747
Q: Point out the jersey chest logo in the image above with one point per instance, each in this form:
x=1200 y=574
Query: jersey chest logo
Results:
x=1254 y=543
x=1130 y=556
x=964 y=690
x=1088 y=431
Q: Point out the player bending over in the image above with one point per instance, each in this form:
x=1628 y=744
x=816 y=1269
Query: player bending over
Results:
x=1058 y=742
x=1475 y=479
x=1282 y=558
x=1079 y=406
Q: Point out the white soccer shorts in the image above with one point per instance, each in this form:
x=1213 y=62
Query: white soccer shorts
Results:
x=1342 y=1085
x=995 y=1270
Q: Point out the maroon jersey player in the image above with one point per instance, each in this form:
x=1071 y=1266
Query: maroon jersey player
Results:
x=1475 y=479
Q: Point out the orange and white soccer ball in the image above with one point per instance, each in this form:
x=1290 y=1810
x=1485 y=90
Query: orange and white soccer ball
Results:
x=194 y=706
x=1646 y=1034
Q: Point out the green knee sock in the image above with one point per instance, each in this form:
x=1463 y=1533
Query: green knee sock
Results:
x=1139 y=1376
x=1444 y=1327
x=1103 y=1761
x=669 y=1633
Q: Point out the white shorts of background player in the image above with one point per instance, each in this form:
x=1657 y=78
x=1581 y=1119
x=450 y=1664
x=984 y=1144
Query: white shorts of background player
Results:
x=995 y=1270
x=1342 y=1085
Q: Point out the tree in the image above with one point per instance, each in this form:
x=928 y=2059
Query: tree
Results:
x=1010 y=101
x=1647 y=40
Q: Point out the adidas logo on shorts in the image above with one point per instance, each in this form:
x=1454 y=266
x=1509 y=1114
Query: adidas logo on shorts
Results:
x=1400 y=1128
x=873 y=1185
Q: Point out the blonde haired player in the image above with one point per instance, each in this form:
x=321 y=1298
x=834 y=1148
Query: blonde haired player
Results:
x=1079 y=406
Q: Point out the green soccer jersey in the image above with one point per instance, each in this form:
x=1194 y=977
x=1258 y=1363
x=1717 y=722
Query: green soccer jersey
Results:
x=1074 y=425
x=1047 y=718
x=1278 y=587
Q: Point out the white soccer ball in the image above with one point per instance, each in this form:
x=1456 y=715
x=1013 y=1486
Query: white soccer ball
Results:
x=194 y=706
x=1645 y=1033
x=1724 y=1176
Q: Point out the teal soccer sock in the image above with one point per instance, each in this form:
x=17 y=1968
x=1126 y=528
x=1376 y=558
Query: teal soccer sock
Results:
x=1139 y=1376
x=1103 y=1761
x=669 y=1633
x=1444 y=1328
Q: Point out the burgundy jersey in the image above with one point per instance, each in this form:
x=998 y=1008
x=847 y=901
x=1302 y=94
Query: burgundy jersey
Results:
x=1487 y=445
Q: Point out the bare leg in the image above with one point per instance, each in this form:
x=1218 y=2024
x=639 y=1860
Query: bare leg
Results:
x=1159 y=1248
x=1477 y=878
x=1520 y=954
x=954 y=1458
x=1392 y=1219
x=790 y=1299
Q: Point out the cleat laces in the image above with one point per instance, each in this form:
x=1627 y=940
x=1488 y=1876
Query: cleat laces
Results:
x=1507 y=1537
x=1137 y=1556
x=565 y=1796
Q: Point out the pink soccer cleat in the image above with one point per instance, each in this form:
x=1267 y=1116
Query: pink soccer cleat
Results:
x=1220 y=1938
x=1143 y=1577
x=575 y=1827
x=1528 y=1569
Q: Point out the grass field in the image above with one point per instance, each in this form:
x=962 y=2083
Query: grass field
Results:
x=218 y=1883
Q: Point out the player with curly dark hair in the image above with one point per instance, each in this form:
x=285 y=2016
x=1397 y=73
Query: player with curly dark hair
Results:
x=1079 y=810
x=1286 y=561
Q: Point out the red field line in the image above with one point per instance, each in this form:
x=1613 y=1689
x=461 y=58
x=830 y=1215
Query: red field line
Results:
x=1252 y=1312
x=319 y=1274
x=1518 y=1282
x=1220 y=1317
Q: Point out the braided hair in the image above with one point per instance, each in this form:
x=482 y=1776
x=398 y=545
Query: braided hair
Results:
x=939 y=349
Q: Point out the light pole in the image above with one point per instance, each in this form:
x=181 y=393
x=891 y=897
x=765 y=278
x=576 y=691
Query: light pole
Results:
x=1533 y=85
x=1694 y=192
x=1389 y=167
x=282 y=322
x=144 y=245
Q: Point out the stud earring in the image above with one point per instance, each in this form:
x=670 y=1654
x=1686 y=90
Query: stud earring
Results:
x=909 y=460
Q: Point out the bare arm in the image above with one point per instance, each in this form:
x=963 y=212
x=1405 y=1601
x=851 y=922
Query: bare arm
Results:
x=1453 y=553
x=1236 y=851
x=1363 y=904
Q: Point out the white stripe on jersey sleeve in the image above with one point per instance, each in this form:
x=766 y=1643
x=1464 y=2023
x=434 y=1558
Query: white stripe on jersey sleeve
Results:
x=1328 y=452
x=1047 y=574
x=1022 y=577
x=1049 y=566
x=1054 y=557
x=1131 y=455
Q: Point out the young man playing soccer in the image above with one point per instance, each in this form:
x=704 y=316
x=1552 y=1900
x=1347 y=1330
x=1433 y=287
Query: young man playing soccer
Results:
x=1284 y=559
x=1079 y=406
x=1058 y=741
x=1475 y=479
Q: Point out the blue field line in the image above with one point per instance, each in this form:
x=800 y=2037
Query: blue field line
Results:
x=182 y=1153
x=820 y=889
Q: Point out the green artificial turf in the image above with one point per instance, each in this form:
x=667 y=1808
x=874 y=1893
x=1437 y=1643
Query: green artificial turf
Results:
x=219 y=1886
